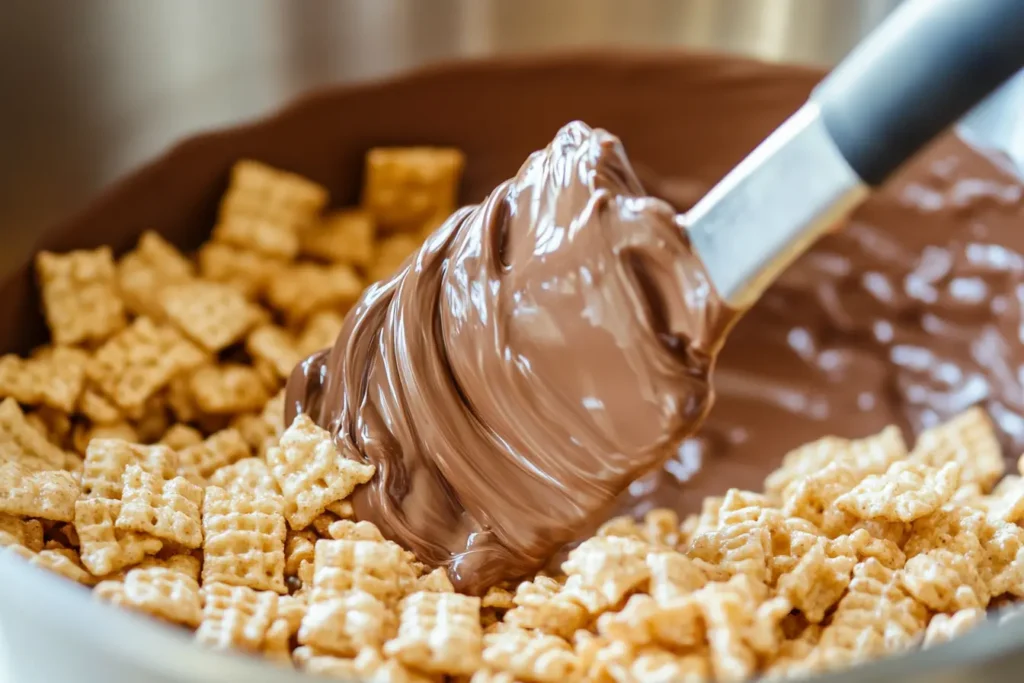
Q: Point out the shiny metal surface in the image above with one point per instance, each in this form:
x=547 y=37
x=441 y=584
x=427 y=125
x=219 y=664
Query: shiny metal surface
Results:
x=92 y=88
x=769 y=209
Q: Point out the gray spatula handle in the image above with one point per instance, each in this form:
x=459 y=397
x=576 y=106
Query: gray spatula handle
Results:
x=924 y=68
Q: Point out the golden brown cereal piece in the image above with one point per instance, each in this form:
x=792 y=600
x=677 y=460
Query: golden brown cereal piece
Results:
x=643 y=621
x=673 y=575
x=342 y=508
x=623 y=526
x=235 y=616
x=276 y=645
x=410 y=188
x=210 y=314
x=107 y=459
x=969 y=440
x=82 y=435
x=944 y=581
x=861 y=544
x=54 y=561
x=368 y=666
x=80 y=295
x=165 y=508
x=531 y=656
x=1006 y=502
x=602 y=570
x=145 y=272
x=872 y=455
x=246 y=476
x=257 y=235
x=274 y=346
x=381 y=569
x=184 y=563
x=246 y=271
x=256 y=432
x=540 y=605
x=434 y=581
x=439 y=633
x=813 y=497
x=224 y=448
x=307 y=287
x=392 y=253
x=661 y=528
x=299 y=554
x=53 y=424
x=344 y=236
x=55 y=380
x=228 y=389
x=343 y=624
x=354 y=531
x=47 y=494
x=163 y=593
x=320 y=332
x=181 y=436
x=180 y=399
x=104 y=548
x=244 y=539
x=817 y=582
x=739 y=548
x=499 y=598
x=22 y=443
x=139 y=361
x=26 y=532
x=945 y=627
x=907 y=491
x=311 y=472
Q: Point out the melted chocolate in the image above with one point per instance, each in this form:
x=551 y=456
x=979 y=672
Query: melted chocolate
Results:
x=540 y=352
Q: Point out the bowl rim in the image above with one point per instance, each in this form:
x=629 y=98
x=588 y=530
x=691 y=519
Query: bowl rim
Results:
x=157 y=646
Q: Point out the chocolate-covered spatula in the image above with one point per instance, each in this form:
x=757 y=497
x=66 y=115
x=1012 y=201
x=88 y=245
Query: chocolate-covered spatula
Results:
x=927 y=65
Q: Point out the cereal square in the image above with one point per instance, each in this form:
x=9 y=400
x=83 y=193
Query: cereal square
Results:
x=209 y=313
x=244 y=270
x=144 y=273
x=235 y=616
x=22 y=443
x=181 y=436
x=187 y=564
x=307 y=287
x=411 y=188
x=602 y=570
x=141 y=360
x=343 y=624
x=381 y=569
x=55 y=380
x=345 y=236
x=106 y=461
x=969 y=440
x=46 y=494
x=228 y=389
x=219 y=450
x=246 y=476
x=311 y=472
x=274 y=346
x=162 y=593
x=907 y=491
x=244 y=535
x=439 y=633
x=80 y=296
x=99 y=409
x=104 y=548
x=531 y=656
x=165 y=508
x=54 y=561
x=26 y=532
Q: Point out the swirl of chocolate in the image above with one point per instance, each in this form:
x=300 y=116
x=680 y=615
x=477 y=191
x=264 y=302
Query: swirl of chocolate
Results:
x=541 y=351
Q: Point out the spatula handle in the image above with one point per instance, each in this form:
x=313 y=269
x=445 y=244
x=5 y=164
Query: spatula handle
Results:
x=918 y=73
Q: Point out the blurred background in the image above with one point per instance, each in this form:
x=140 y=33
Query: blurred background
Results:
x=94 y=87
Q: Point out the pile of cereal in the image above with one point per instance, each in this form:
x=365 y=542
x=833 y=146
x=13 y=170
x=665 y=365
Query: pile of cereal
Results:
x=142 y=455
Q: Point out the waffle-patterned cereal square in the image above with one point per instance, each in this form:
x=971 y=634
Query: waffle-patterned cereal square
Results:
x=945 y=581
x=969 y=440
x=274 y=346
x=246 y=476
x=183 y=563
x=643 y=621
x=381 y=569
x=139 y=361
x=907 y=491
x=244 y=270
x=308 y=287
x=539 y=604
x=104 y=548
x=107 y=459
x=439 y=633
x=311 y=472
x=673 y=575
x=26 y=532
x=46 y=494
x=22 y=443
x=945 y=627
x=53 y=561
x=228 y=389
x=209 y=313
x=235 y=616
x=165 y=508
x=320 y=332
x=817 y=582
x=144 y=273
x=265 y=208
x=354 y=531
x=180 y=436
x=410 y=189
x=343 y=624
x=531 y=656
x=55 y=380
x=345 y=236
x=224 y=448
x=602 y=570
x=80 y=296
x=163 y=593
x=244 y=539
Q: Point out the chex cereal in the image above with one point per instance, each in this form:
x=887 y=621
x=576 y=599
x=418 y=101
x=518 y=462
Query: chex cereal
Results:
x=244 y=537
x=310 y=471
x=144 y=456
